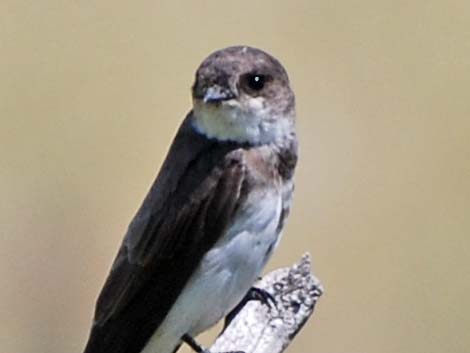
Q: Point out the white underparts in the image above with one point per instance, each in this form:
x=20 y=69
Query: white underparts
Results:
x=224 y=275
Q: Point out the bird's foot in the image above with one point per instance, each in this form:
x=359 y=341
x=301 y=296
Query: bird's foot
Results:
x=197 y=347
x=193 y=344
x=254 y=293
x=262 y=296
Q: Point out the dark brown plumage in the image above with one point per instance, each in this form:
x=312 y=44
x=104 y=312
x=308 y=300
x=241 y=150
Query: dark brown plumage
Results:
x=201 y=188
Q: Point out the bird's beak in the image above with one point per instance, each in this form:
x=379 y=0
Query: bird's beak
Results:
x=217 y=94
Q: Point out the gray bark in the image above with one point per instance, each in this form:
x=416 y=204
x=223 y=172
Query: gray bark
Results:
x=260 y=329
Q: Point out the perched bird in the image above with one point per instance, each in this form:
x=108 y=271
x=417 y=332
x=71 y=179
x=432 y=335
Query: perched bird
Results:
x=214 y=214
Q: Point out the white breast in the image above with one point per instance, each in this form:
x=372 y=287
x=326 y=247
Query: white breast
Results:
x=224 y=275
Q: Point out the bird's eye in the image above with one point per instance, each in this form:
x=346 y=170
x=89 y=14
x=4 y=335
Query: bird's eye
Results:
x=254 y=82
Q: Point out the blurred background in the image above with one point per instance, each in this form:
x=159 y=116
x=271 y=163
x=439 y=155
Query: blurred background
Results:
x=91 y=94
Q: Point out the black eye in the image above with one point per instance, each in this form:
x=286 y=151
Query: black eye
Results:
x=254 y=82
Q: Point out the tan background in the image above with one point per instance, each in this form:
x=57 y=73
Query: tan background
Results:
x=91 y=93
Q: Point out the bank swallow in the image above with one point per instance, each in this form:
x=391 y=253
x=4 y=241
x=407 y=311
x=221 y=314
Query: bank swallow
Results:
x=214 y=214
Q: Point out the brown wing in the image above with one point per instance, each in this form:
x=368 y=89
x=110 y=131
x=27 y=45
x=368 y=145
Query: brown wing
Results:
x=187 y=209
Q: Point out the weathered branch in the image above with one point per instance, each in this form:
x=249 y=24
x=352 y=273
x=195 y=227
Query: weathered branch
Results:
x=259 y=329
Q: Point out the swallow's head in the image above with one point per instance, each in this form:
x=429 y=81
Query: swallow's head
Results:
x=243 y=94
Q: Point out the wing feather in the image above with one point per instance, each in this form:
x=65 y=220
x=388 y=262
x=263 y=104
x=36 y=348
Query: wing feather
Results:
x=186 y=211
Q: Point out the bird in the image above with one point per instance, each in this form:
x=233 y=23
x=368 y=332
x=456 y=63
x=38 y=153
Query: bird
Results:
x=214 y=214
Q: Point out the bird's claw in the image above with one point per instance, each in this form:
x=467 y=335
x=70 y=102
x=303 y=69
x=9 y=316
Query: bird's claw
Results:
x=254 y=293
x=262 y=296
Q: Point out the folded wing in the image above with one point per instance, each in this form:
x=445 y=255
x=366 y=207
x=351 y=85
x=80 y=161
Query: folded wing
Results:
x=190 y=205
